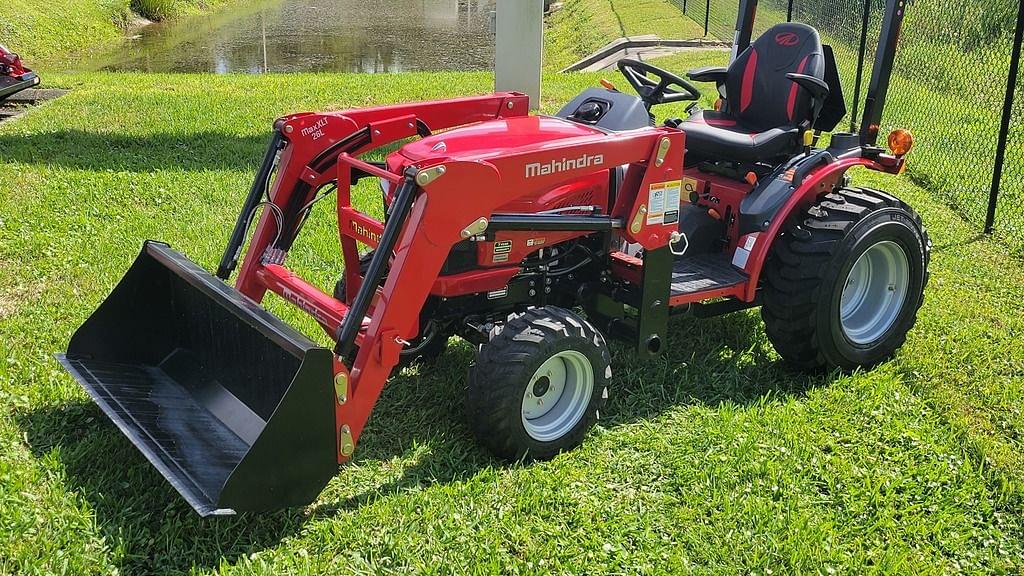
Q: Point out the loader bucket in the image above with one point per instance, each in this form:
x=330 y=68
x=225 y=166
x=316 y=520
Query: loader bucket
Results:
x=234 y=407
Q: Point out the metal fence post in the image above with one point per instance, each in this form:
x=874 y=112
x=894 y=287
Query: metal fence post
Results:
x=789 y=11
x=707 y=16
x=861 y=52
x=1004 y=124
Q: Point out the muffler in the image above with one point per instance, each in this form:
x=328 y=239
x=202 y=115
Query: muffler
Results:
x=233 y=406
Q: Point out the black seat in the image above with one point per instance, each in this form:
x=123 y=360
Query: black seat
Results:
x=771 y=93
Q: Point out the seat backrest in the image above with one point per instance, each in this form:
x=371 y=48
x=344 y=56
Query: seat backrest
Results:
x=758 y=94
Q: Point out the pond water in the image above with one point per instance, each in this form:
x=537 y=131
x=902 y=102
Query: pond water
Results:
x=316 y=35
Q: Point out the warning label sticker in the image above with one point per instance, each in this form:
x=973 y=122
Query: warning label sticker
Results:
x=501 y=250
x=663 y=202
x=743 y=249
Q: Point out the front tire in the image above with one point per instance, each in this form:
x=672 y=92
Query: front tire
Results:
x=536 y=388
x=843 y=286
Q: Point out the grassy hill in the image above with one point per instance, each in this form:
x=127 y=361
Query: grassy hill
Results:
x=583 y=26
x=43 y=31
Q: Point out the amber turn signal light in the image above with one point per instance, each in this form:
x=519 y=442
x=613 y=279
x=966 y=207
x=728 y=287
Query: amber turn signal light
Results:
x=607 y=84
x=718 y=105
x=900 y=141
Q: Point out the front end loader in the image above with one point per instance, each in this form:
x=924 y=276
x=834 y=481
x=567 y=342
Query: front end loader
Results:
x=535 y=238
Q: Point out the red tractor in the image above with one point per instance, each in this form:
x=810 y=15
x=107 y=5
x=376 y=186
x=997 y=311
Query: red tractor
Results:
x=537 y=239
x=14 y=76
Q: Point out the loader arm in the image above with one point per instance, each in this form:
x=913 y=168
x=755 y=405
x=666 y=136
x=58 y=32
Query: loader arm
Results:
x=432 y=215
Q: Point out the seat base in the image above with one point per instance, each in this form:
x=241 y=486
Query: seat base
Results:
x=716 y=136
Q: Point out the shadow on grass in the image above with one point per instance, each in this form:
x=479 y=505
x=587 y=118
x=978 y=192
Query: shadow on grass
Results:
x=145 y=152
x=953 y=246
x=709 y=361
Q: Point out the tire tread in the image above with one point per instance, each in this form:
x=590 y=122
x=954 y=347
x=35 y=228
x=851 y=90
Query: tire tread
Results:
x=495 y=383
x=795 y=271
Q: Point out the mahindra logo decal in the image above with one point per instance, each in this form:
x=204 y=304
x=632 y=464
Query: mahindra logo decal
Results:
x=555 y=166
x=306 y=305
x=787 y=39
x=364 y=231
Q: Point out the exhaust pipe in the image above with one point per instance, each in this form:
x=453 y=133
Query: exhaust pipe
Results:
x=234 y=407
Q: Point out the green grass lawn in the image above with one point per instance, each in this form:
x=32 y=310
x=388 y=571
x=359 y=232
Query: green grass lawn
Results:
x=714 y=459
x=583 y=26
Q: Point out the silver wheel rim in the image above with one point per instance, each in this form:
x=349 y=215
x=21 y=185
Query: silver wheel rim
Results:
x=874 y=293
x=557 y=395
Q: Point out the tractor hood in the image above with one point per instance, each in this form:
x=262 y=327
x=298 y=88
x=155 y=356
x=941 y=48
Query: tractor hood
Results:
x=490 y=139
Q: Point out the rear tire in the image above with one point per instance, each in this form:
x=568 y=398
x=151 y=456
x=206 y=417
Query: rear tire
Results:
x=536 y=388
x=843 y=286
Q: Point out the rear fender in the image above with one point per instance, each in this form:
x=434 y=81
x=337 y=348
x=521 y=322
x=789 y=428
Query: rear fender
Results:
x=810 y=186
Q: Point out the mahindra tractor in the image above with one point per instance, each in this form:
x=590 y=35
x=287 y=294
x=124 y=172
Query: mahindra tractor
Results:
x=536 y=238
x=14 y=76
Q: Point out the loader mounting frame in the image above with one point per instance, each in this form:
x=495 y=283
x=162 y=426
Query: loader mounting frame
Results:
x=429 y=215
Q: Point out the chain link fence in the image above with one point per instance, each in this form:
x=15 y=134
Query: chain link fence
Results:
x=949 y=87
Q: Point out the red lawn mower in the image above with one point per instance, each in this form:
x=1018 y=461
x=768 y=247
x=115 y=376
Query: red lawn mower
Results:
x=14 y=76
x=536 y=238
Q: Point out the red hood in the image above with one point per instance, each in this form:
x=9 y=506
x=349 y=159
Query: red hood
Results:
x=491 y=138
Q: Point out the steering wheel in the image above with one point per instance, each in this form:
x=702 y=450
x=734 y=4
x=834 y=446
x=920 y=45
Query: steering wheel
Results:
x=663 y=88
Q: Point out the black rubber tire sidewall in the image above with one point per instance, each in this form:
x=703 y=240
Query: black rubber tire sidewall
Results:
x=890 y=224
x=496 y=393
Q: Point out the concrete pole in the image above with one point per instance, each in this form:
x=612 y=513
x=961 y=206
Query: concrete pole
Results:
x=518 y=47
